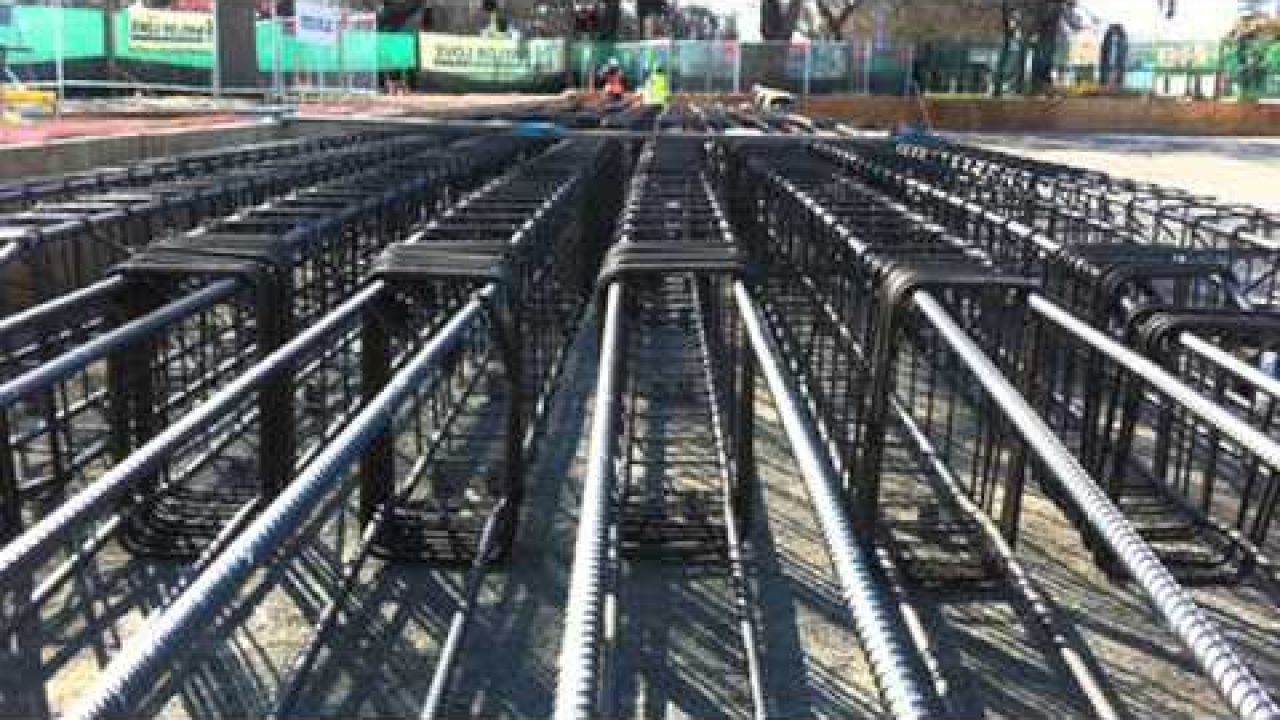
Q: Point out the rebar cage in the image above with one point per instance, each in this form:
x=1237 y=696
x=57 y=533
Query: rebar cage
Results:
x=684 y=445
x=895 y=403
x=1203 y=501
x=1160 y=271
x=296 y=258
x=456 y=459
x=56 y=246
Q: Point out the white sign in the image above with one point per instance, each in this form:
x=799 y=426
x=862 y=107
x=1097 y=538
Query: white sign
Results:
x=747 y=15
x=318 y=22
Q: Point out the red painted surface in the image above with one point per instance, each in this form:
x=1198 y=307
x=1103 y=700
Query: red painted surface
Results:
x=108 y=126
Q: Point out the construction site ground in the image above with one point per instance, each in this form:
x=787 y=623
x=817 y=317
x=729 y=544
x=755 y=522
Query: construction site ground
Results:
x=379 y=662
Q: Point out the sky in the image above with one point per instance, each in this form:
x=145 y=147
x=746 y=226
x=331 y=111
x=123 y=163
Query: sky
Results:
x=1195 y=18
x=1207 y=19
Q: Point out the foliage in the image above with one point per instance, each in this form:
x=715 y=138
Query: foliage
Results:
x=929 y=20
x=1256 y=28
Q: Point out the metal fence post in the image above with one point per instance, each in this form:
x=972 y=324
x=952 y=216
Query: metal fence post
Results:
x=737 y=68
x=710 y=54
x=216 y=73
x=867 y=61
x=59 y=38
x=807 y=81
x=909 y=76
x=277 y=64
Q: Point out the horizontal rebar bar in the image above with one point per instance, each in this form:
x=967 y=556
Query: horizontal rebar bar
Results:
x=584 y=611
x=74 y=361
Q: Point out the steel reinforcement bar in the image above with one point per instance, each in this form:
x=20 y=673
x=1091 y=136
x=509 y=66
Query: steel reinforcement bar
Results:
x=920 y=284
x=75 y=416
x=22 y=194
x=1200 y=308
x=1071 y=203
x=459 y=336
x=55 y=247
x=670 y=452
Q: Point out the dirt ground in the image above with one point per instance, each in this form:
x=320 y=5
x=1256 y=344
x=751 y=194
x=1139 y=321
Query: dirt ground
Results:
x=379 y=661
x=1236 y=170
x=111 y=118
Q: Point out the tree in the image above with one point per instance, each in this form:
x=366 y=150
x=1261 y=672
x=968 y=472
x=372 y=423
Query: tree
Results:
x=1043 y=23
x=610 y=19
x=778 y=18
x=1034 y=26
x=696 y=22
x=917 y=20
x=836 y=15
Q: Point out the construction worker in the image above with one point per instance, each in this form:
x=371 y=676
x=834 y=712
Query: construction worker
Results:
x=615 y=84
x=657 y=89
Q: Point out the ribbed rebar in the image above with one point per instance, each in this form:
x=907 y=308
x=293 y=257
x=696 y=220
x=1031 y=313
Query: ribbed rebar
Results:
x=167 y=637
x=39 y=542
x=887 y=651
x=576 y=686
x=1232 y=678
x=74 y=361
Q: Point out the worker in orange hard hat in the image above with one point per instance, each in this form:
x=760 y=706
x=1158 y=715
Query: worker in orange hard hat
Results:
x=615 y=83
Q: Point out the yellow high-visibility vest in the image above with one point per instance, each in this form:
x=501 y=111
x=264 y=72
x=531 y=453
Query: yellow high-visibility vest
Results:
x=658 y=90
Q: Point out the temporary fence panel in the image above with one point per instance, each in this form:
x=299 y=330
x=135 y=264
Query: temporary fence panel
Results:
x=43 y=45
x=710 y=67
x=728 y=66
x=468 y=62
x=163 y=47
x=147 y=48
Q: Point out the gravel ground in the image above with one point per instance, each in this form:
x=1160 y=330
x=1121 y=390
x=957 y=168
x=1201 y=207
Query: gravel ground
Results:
x=1239 y=170
x=378 y=662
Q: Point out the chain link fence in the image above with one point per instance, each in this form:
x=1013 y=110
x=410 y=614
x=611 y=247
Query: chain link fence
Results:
x=727 y=66
x=330 y=47
x=325 y=47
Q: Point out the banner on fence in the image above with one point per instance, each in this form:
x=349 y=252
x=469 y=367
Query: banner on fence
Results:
x=491 y=60
x=170 y=30
x=318 y=22
x=1085 y=48
x=1190 y=56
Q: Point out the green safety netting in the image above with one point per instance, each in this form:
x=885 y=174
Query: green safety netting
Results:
x=33 y=32
x=34 y=29
x=359 y=51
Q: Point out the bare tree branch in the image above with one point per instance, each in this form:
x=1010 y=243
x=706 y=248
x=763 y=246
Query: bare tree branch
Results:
x=836 y=14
